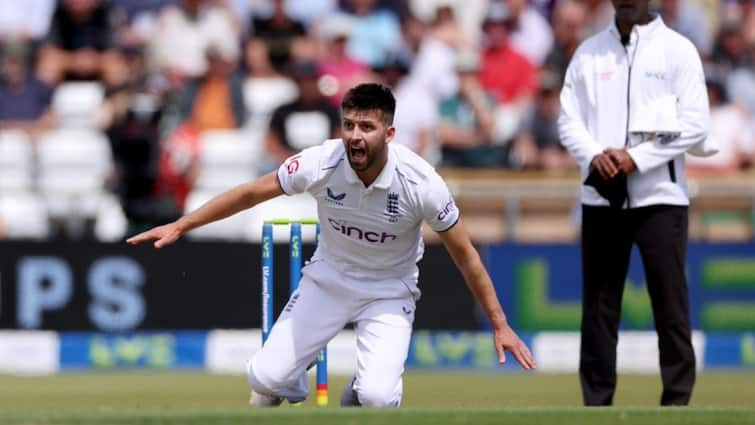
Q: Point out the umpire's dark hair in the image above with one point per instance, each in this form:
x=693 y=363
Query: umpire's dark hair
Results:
x=369 y=96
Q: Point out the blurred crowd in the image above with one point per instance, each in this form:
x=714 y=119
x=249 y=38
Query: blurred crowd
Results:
x=169 y=86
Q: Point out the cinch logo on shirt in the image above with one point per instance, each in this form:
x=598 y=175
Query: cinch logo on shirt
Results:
x=293 y=165
x=448 y=209
x=362 y=235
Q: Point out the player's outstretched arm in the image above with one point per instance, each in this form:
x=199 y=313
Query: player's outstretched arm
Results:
x=224 y=205
x=468 y=260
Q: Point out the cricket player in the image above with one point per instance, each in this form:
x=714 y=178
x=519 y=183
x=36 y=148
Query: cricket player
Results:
x=372 y=197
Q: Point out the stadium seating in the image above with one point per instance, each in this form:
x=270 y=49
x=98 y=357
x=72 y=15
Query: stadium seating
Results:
x=16 y=162
x=23 y=216
x=291 y=207
x=230 y=229
x=247 y=225
x=73 y=167
x=227 y=158
x=76 y=104
x=263 y=95
x=110 y=224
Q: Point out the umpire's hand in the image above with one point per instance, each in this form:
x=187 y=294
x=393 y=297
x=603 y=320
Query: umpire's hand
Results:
x=605 y=165
x=622 y=160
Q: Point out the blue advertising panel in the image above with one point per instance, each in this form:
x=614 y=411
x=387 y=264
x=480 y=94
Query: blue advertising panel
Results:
x=152 y=350
x=458 y=350
x=540 y=287
x=723 y=350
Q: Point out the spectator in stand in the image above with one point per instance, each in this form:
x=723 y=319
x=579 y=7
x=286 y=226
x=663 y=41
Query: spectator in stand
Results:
x=257 y=60
x=467 y=13
x=279 y=32
x=531 y=33
x=730 y=128
x=689 y=20
x=414 y=128
x=746 y=8
x=432 y=78
x=310 y=11
x=80 y=45
x=183 y=34
x=505 y=71
x=743 y=81
x=733 y=61
x=467 y=121
x=24 y=99
x=568 y=30
x=306 y=122
x=266 y=87
x=215 y=100
x=135 y=20
x=178 y=166
x=340 y=71
x=392 y=73
x=396 y=7
x=545 y=7
x=28 y=19
x=375 y=34
x=730 y=48
x=538 y=146
x=746 y=11
x=133 y=127
x=413 y=31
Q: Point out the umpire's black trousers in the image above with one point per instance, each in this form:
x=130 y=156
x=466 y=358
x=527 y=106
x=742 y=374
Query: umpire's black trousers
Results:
x=660 y=233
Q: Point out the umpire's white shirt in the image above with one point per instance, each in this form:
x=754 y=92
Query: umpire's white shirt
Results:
x=372 y=235
x=654 y=84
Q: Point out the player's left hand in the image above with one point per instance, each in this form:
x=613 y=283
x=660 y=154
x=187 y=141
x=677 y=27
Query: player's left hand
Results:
x=507 y=340
x=622 y=160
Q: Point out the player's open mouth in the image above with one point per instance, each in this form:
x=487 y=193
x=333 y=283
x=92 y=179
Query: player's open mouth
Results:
x=357 y=153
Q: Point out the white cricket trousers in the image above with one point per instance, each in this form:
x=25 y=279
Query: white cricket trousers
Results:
x=382 y=313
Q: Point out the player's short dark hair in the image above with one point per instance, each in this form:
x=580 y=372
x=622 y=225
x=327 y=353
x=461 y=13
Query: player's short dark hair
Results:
x=370 y=96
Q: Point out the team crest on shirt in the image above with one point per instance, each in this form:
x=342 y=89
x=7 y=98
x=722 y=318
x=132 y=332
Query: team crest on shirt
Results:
x=391 y=207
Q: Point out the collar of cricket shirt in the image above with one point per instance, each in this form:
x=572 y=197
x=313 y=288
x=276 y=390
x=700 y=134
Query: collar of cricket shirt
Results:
x=641 y=31
x=383 y=180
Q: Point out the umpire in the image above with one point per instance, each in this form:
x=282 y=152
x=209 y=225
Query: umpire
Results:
x=633 y=102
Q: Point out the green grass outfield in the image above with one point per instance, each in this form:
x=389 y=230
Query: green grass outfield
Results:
x=429 y=398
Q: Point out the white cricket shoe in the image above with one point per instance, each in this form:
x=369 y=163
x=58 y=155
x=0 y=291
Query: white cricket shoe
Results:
x=262 y=400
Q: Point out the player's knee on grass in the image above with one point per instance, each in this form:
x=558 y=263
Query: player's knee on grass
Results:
x=254 y=381
x=292 y=386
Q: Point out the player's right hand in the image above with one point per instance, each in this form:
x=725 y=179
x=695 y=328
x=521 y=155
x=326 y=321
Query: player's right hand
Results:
x=162 y=235
x=505 y=339
x=605 y=165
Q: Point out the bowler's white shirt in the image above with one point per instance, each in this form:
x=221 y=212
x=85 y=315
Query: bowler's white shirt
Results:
x=371 y=233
